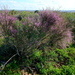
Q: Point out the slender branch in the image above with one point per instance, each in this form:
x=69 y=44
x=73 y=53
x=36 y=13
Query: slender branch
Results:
x=17 y=50
x=10 y=59
x=30 y=70
x=3 y=66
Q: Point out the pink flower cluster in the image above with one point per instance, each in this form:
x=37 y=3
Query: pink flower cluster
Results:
x=56 y=26
x=31 y=21
x=7 y=21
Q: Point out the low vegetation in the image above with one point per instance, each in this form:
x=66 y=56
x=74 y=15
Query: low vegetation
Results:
x=40 y=42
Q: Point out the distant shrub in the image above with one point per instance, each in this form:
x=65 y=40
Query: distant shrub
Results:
x=13 y=12
x=36 y=11
x=19 y=17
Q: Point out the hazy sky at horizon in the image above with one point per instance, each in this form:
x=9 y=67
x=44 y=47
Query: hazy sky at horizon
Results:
x=38 y=4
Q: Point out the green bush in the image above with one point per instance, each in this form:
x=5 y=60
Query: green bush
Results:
x=68 y=70
x=11 y=69
x=52 y=62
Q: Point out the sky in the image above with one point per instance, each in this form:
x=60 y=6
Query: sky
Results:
x=37 y=4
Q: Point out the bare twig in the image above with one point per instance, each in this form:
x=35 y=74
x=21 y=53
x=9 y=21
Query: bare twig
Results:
x=3 y=66
x=31 y=70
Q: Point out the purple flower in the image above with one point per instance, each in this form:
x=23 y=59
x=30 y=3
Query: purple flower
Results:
x=6 y=19
x=37 y=24
x=13 y=31
x=48 y=18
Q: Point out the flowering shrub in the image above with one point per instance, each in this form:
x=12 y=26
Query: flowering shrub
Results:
x=32 y=32
x=48 y=19
x=52 y=23
x=6 y=22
